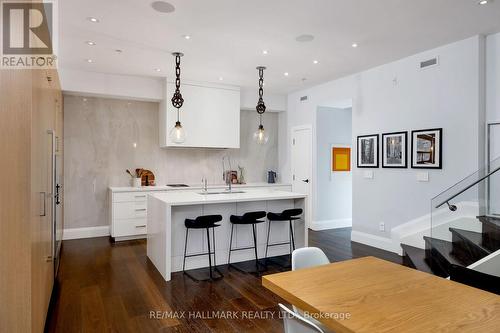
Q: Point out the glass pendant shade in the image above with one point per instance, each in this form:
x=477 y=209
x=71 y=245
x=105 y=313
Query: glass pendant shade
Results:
x=178 y=134
x=260 y=136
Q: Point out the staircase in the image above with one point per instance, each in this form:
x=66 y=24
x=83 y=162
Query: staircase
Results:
x=466 y=248
x=471 y=247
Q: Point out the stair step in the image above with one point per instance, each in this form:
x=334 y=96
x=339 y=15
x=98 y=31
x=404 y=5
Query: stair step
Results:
x=494 y=221
x=440 y=253
x=465 y=241
x=491 y=229
x=415 y=257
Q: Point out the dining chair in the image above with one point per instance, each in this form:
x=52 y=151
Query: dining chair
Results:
x=295 y=323
x=304 y=258
x=308 y=257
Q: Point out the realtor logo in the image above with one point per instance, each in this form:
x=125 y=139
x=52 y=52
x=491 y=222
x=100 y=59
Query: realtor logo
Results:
x=27 y=34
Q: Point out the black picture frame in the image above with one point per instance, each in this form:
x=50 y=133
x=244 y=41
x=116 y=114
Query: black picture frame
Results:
x=405 y=149
x=436 y=164
x=376 y=152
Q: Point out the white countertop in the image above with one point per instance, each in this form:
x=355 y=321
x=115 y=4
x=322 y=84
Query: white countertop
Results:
x=196 y=187
x=184 y=198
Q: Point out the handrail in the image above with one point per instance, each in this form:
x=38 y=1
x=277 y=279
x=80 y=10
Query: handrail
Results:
x=468 y=187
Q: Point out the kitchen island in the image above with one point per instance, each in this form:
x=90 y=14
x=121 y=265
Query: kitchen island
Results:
x=166 y=230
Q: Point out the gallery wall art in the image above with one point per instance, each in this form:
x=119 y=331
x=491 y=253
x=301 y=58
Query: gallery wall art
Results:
x=368 y=146
x=341 y=159
x=426 y=149
x=394 y=150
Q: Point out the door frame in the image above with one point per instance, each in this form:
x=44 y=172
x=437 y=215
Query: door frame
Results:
x=310 y=198
x=489 y=126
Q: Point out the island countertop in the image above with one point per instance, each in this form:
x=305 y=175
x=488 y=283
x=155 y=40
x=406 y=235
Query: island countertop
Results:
x=185 y=198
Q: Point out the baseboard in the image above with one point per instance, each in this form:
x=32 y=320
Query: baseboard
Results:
x=330 y=224
x=376 y=241
x=77 y=233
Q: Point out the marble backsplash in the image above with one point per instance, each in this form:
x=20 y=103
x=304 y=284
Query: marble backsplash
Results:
x=104 y=137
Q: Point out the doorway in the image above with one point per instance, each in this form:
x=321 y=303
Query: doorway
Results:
x=333 y=166
x=301 y=161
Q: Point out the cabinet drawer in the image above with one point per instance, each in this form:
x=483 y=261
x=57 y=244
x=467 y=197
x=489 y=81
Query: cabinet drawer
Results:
x=130 y=196
x=129 y=227
x=129 y=210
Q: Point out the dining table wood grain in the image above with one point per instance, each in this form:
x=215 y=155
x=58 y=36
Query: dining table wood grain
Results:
x=373 y=295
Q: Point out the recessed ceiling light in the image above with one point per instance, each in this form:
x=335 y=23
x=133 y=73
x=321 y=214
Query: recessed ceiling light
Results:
x=186 y=36
x=304 y=38
x=158 y=69
x=118 y=50
x=264 y=52
x=93 y=19
x=221 y=78
x=163 y=7
x=483 y=2
x=89 y=61
x=354 y=45
x=89 y=42
x=315 y=62
x=286 y=73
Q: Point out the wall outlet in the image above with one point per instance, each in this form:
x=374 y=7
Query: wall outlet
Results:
x=368 y=174
x=381 y=226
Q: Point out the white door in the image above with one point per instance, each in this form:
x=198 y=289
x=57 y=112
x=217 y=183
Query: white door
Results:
x=302 y=164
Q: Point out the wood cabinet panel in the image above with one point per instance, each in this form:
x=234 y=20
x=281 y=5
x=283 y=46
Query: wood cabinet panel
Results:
x=28 y=108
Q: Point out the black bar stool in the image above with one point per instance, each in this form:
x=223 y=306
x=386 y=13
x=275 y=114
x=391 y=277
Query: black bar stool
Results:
x=289 y=215
x=250 y=218
x=203 y=222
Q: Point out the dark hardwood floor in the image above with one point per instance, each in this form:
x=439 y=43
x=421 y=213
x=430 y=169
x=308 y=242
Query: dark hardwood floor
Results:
x=112 y=287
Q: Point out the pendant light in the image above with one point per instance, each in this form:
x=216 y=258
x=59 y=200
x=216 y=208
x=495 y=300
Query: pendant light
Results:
x=260 y=136
x=177 y=134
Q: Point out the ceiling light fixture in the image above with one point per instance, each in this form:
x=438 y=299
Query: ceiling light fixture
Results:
x=158 y=69
x=221 y=78
x=163 y=7
x=89 y=42
x=118 y=51
x=355 y=45
x=264 y=52
x=90 y=61
x=315 y=62
x=286 y=73
x=177 y=134
x=260 y=136
x=93 y=19
x=186 y=36
x=483 y=2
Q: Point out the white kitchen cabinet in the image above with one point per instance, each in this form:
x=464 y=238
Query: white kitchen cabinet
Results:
x=210 y=116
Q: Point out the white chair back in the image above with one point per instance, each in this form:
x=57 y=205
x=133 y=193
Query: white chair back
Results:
x=308 y=257
x=295 y=323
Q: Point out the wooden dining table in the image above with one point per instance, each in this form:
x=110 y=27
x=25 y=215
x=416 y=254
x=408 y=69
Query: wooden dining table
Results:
x=373 y=295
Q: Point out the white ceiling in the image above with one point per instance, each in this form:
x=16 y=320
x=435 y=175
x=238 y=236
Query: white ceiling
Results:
x=228 y=36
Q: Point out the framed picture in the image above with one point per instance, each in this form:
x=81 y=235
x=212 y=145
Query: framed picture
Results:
x=368 y=151
x=427 y=149
x=341 y=159
x=394 y=150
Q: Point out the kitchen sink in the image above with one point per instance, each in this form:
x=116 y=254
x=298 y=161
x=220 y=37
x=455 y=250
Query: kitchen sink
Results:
x=222 y=192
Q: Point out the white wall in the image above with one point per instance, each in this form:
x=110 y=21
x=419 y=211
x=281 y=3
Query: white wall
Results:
x=334 y=189
x=396 y=97
x=493 y=77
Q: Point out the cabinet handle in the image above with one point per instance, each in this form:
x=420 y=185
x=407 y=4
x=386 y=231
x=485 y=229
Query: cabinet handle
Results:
x=48 y=259
x=141 y=226
x=140 y=196
x=140 y=209
x=44 y=197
